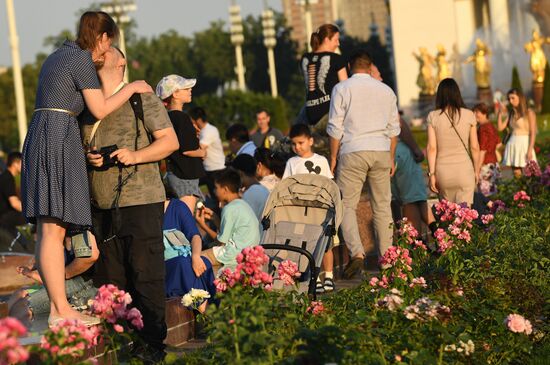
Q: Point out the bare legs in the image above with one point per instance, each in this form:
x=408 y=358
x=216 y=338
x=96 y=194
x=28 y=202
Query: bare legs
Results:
x=50 y=262
x=328 y=261
x=417 y=213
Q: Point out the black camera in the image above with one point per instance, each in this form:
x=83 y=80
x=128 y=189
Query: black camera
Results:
x=105 y=152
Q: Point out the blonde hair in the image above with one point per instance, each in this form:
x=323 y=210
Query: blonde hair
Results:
x=521 y=110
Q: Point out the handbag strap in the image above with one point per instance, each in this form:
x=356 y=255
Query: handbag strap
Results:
x=458 y=134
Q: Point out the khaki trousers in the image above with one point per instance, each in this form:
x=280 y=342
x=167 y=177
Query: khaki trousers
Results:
x=353 y=169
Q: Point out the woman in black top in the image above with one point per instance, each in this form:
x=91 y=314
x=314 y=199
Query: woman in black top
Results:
x=322 y=70
x=184 y=165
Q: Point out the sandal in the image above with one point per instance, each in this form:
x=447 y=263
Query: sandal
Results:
x=328 y=285
x=319 y=288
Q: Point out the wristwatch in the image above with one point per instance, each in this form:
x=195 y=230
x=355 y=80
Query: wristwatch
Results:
x=430 y=173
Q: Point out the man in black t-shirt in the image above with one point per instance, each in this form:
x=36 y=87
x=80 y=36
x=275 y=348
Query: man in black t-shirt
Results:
x=10 y=204
x=265 y=135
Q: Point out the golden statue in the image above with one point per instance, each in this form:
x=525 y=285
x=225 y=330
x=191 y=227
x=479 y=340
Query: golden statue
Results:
x=482 y=65
x=442 y=63
x=538 y=59
x=425 y=79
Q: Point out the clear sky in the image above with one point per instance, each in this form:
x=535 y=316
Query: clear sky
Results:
x=37 y=19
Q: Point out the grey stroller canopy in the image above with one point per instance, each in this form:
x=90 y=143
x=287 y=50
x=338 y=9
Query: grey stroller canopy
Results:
x=300 y=218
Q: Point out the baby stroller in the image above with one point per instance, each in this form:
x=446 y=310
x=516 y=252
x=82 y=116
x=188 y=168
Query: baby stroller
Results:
x=300 y=219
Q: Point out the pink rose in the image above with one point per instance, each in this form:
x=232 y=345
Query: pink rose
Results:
x=515 y=323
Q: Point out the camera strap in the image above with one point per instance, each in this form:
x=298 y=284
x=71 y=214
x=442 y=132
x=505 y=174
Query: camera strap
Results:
x=137 y=107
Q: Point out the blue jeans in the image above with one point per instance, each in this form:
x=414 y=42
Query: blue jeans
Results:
x=78 y=291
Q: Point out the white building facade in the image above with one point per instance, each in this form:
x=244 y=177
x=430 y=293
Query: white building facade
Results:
x=504 y=25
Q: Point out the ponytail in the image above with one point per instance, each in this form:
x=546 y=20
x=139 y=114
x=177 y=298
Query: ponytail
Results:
x=324 y=31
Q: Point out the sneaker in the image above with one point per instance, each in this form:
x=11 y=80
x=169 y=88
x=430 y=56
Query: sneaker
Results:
x=319 y=288
x=328 y=285
x=353 y=267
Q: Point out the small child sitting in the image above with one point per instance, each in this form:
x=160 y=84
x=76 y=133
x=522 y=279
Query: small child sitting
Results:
x=254 y=193
x=308 y=162
x=239 y=227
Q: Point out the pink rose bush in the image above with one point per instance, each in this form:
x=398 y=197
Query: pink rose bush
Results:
x=67 y=339
x=11 y=352
x=316 y=308
x=518 y=324
x=288 y=271
x=520 y=197
x=112 y=304
x=409 y=235
x=456 y=223
x=398 y=259
x=248 y=271
x=487 y=218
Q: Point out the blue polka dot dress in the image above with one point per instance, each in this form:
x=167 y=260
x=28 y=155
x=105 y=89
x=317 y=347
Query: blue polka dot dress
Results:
x=54 y=181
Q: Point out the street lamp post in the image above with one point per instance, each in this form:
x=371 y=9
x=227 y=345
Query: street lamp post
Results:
x=17 y=76
x=237 y=39
x=270 y=42
x=119 y=10
x=307 y=16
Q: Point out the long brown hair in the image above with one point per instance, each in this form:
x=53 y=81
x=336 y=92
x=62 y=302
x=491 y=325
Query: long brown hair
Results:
x=448 y=98
x=92 y=25
x=324 y=31
x=522 y=107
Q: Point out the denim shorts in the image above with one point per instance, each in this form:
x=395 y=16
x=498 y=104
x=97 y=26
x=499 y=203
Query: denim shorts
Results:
x=183 y=187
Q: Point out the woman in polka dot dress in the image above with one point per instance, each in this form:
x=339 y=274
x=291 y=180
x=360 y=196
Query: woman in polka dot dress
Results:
x=54 y=180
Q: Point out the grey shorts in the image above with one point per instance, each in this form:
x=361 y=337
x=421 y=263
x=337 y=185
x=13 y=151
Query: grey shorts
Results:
x=183 y=187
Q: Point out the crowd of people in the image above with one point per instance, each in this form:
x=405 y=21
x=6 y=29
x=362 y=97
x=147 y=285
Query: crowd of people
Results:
x=105 y=214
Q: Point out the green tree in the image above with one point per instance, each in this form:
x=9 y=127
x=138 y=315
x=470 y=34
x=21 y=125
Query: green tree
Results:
x=169 y=53
x=289 y=79
x=516 y=81
x=9 y=135
x=214 y=58
x=546 y=92
x=240 y=107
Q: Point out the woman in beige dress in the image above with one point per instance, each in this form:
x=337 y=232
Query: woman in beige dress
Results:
x=453 y=148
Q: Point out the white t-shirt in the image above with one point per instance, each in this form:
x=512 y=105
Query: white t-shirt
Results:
x=210 y=137
x=315 y=164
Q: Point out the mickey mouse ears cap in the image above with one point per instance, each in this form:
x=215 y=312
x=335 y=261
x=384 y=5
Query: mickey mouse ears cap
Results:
x=171 y=83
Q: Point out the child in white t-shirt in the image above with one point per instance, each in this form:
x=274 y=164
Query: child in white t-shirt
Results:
x=308 y=162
